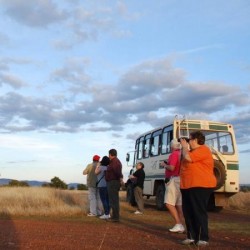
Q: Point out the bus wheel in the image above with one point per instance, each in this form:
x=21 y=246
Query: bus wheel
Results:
x=159 y=199
x=130 y=195
x=220 y=174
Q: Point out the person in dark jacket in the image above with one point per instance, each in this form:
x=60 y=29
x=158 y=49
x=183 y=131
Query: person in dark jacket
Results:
x=138 y=179
x=114 y=180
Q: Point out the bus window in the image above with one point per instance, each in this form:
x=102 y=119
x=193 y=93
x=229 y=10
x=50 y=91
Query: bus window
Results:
x=226 y=145
x=167 y=136
x=221 y=141
x=164 y=144
x=146 y=146
x=140 y=148
x=155 y=143
x=136 y=148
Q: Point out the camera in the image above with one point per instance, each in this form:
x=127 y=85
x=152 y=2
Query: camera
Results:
x=184 y=138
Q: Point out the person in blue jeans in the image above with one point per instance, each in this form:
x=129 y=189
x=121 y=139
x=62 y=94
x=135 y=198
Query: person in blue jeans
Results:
x=102 y=186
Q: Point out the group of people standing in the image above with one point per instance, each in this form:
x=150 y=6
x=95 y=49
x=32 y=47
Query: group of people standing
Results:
x=190 y=181
x=104 y=179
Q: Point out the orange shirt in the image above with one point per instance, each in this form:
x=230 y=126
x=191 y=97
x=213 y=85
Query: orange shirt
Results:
x=199 y=172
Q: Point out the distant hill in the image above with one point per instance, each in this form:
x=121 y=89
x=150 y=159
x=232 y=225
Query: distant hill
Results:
x=73 y=185
x=244 y=185
x=36 y=183
x=4 y=181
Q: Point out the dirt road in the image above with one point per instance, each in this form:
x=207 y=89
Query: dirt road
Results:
x=228 y=230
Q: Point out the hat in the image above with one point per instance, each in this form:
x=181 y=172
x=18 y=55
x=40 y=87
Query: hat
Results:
x=105 y=161
x=96 y=158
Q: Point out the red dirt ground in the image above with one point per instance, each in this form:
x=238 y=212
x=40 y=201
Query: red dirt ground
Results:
x=131 y=233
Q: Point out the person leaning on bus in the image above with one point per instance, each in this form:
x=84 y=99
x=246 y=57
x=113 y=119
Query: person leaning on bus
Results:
x=197 y=184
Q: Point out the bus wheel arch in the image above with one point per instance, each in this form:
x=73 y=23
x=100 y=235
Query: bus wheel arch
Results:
x=220 y=174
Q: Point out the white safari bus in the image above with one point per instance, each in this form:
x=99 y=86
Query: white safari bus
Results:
x=153 y=147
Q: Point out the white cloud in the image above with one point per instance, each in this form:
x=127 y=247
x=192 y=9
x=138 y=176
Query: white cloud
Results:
x=11 y=80
x=39 y=13
x=25 y=143
x=78 y=70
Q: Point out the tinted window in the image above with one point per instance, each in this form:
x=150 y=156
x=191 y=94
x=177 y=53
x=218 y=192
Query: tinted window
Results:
x=167 y=136
x=155 y=143
x=146 y=146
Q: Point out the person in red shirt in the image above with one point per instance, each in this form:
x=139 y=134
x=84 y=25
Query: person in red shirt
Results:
x=197 y=184
x=173 y=194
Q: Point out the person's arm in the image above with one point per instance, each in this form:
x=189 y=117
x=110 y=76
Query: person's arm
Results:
x=185 y=150
x=116 y=168
x=122 y=182
x=169 y=167
x=171 y=163
x=132 y=176
x=98 y=169
x=86 y=170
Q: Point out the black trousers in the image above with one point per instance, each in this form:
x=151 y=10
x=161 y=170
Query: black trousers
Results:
x=113 y=193
x=194 y=206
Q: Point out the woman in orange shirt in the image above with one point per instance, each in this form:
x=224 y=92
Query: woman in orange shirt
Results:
x=197 y=184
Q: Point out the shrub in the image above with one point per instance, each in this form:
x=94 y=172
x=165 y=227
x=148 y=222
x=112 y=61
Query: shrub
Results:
x=15 y=183
x=82 y=187
x=57 y=183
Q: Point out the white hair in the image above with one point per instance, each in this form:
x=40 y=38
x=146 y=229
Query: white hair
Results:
x=175 y=144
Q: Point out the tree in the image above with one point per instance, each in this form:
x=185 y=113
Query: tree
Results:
x=57 y=183
x=81 y=187
x=15 y=183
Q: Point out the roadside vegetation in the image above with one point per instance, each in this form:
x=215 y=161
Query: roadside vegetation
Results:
x=55 y=202
x=55 y=182
x=41 y=201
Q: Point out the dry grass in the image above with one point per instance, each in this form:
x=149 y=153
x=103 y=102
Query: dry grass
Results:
x=38 y=201
x=239 y=201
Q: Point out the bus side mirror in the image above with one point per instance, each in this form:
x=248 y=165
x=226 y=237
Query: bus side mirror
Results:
x=127 y=157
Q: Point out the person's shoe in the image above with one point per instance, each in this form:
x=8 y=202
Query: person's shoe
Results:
x=138 y=212
x=105 y=216
x=187 y=242
x=178 y=228
x=202 y=243
x=91 y=215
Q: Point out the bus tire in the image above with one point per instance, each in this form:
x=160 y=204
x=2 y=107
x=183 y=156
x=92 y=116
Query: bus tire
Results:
x=130 y=195
x=220 y=174
x=159 y=199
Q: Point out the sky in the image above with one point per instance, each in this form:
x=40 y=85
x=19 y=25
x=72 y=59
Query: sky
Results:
x=78 y=78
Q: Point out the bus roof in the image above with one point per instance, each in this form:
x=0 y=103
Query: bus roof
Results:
x=194 y=124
